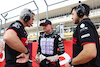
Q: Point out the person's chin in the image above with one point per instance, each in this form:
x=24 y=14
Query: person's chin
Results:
x=44 y=30
x=28 y=26
x=74 y=22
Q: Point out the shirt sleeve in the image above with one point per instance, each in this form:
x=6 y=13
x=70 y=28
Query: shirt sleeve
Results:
x=60 y=46
x=15 y=26
x=86 y=33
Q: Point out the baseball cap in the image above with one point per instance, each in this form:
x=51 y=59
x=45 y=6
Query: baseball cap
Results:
x=46 y=23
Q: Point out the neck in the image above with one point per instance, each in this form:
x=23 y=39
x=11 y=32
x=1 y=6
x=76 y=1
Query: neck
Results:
x=22 y=22
x=82 y=18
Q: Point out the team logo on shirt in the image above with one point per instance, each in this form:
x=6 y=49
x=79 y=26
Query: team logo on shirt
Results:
x=83 y=27
x=85 y=35
x=17 y=25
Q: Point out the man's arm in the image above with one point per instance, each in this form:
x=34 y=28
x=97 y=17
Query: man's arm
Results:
x=88 y=53
x=14 y=42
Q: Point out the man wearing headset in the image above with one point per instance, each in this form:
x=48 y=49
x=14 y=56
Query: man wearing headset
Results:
x=16 y=47
x=86 y=48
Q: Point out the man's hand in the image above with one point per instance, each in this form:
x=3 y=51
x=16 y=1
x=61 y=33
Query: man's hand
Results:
x=67 y=65
x=37 y=59
x=23 y=58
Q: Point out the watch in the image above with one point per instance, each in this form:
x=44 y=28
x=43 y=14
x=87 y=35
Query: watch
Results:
x=70 y=62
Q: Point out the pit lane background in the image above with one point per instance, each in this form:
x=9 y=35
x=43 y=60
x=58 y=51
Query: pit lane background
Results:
x=33 y=49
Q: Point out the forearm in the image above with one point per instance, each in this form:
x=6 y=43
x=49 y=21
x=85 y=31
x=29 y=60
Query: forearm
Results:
x=88 y=53
x=81 y=59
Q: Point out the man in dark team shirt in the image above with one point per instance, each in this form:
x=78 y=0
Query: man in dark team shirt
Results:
x=86 y=48
x=48 y=46
x=16 y=47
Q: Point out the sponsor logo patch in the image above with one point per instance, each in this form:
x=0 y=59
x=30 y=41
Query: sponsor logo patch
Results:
x=85 y=35
x=83 y=27
x=16 y=25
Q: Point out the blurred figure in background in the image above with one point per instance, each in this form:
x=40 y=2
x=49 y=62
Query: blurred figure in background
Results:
x=1 y=46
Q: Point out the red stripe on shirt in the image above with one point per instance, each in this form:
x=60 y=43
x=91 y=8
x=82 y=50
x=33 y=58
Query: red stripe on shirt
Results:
x=87 y=43
x=13 y=30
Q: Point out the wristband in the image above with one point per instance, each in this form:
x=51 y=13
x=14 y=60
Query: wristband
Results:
x=70 y=62
x=28 y=51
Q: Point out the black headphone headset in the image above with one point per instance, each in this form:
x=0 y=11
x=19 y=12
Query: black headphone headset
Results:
x=26 y=16
x=80 y=10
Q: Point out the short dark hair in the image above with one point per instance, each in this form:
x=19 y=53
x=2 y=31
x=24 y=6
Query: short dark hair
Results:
x=87 y=9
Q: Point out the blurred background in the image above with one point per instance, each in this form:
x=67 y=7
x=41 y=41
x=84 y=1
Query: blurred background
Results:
x=57 y=11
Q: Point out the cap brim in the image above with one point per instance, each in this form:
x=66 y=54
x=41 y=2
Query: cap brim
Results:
x=43 y=24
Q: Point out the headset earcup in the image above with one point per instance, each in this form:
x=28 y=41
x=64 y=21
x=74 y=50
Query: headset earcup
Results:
x=80 y=12
x=26 y=17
